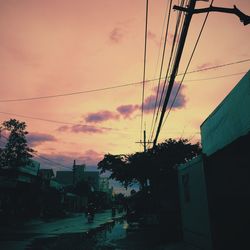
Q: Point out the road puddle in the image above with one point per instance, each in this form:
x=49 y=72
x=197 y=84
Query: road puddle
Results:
x=100 y=238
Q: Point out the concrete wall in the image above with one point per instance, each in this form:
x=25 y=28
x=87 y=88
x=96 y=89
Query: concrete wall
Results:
x=193 y=203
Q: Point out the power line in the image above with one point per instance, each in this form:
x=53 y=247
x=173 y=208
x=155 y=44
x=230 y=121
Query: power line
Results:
x=190 y=59
x=41 y=157
x=174 y=45
x=215 y=67
x=162 y=63
x=144 y=66
x=47 y=120
x=76 y=93
x=40 y=119
x=162 y=32
x=216 y=77
x=119 y=86
x=49 y=160
x=176 y=64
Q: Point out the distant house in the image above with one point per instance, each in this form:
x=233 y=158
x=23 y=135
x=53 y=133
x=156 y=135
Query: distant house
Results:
x=19 y=188
x=92 y=177
x=104 y=184
x=78 y=172
x=65 y=177
x=46 y=174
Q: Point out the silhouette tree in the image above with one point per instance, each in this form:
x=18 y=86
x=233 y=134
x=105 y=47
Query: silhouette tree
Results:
x=153 y=165
x=119 y=168
x=16 y=152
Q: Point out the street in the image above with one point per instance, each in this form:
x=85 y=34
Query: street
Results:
x=19 y=237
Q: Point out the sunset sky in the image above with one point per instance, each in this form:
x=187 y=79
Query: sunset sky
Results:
x=53 y=47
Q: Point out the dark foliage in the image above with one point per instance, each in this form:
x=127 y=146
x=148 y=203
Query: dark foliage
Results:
x=16 y=152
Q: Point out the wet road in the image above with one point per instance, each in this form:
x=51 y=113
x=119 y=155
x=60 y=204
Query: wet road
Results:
x=21 y=236
x=75 y=233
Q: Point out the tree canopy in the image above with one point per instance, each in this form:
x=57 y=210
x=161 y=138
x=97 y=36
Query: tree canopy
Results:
x=16 y=152
x=153 y=165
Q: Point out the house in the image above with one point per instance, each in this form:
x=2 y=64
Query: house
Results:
x=78 y=172
x=19 y=189
x=215 y=188
x=64 y=177
x=92 y=177
x=46 y=174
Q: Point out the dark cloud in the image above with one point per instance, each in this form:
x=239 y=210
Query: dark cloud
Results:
x=116 y=35
x=78 y=128
x=127 y=110
x=101 y=116
x=35 y=139
x=149 y=103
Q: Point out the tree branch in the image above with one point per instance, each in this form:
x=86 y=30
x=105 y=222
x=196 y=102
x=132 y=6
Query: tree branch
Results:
x=245 y=19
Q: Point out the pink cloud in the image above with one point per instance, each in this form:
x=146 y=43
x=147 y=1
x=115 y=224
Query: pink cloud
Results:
x=179 y=103
x=101 y=116
x=35 y=139
x=78 y=128
x=116 y=35
x=127 y=110
x=64 y=160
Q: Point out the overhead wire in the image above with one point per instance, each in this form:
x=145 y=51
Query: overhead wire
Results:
x=119 y=86
x=174 y=42
x=176 y=66
x=161 y=39
x=69 y=123
x=39 y=156
x=162 y=62
x=52 y=121
x=215 y=67
x=190 y=59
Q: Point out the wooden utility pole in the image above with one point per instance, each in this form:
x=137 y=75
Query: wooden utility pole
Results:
x=245 y=19
x=144 y=142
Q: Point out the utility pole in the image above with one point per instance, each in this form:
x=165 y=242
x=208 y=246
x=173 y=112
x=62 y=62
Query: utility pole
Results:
x=144 y=142
x=245 y=19
x=176 y=64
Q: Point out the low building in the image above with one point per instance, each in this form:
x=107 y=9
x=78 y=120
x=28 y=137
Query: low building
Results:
x=46 y=174
x=78 y=172
x=64 y=177
x=92 y=177
x=215 y=189
x=19 y=189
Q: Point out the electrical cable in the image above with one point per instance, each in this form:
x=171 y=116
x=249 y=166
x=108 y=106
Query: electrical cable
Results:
x=181 y=45
x=190 y=59
x=162 y=63
x=47 y=120
x=41 y=157
x=180 y=14
x=119 y=86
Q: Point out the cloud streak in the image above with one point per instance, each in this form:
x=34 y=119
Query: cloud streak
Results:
x=35 y=139
x=179 y=103
x=101 y=116
x=127 y=110
x=86 y=129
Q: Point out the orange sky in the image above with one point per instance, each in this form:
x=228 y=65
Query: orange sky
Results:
x=51 y=47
